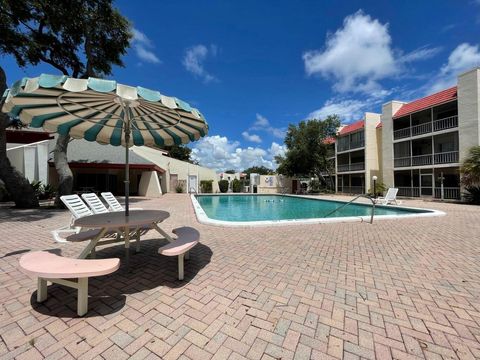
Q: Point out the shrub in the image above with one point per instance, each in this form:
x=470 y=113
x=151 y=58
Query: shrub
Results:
x=4 y=195
x=380 y=189
x=206 y=186
x=237 y=186
x=314 y=186
x=223 y=186
x=179 y=188
x=472 y=195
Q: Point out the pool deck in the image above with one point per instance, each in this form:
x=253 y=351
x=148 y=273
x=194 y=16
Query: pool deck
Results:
x=401 y=289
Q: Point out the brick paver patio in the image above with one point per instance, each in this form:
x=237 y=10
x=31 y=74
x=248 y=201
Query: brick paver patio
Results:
x=403 y=289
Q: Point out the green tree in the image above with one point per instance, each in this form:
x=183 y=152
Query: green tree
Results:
x=309 y=150
x=79 y=38
x=229 y=171
x=180 y=152
x=262 y=170
x=471 y=167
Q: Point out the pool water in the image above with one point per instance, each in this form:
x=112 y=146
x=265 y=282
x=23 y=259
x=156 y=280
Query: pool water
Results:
x=241 y=208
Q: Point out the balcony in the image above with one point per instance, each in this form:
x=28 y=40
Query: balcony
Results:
x=350 y=145
x=437 y=125
x=426 y=160
x=351 y=167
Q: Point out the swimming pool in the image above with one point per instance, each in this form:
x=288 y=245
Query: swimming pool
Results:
x=241 y=210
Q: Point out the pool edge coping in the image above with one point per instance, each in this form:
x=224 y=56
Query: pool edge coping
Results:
x=202 y=217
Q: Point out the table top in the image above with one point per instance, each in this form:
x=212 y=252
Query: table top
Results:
x=118 y=219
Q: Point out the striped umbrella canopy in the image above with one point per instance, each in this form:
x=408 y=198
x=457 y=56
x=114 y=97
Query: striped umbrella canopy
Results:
x=104 y=111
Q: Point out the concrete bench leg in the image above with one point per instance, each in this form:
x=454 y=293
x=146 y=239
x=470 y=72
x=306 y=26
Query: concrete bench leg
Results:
x=41 y=290
x=180 y=267
x=82 y=297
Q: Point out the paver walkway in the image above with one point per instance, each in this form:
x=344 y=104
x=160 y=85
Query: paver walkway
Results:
x=402 y=289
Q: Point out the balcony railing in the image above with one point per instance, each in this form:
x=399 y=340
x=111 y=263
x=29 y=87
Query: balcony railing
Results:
x=425 y=160
x=422 y=160
x=446 y=157
x=438 y=125
x=448 y=192
x=447 y=123
x=351 y=189
x=351 y=167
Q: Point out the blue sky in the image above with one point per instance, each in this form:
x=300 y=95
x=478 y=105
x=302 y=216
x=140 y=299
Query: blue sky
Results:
x=253 y=67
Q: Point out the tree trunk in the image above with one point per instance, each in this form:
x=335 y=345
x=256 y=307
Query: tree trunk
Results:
x=65 y=175
x=16 y=184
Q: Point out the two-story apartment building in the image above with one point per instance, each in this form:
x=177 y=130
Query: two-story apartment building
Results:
x=357 y=155
x=425 y=141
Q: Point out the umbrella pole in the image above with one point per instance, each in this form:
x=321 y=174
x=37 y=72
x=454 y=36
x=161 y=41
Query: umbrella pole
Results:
x=127 y=165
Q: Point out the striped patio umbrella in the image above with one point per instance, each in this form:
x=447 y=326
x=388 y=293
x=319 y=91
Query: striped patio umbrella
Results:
x=104 y=111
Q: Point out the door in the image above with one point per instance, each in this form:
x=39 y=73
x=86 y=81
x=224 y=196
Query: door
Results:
x=192 y=183
x=173 y=182
x=426 y=184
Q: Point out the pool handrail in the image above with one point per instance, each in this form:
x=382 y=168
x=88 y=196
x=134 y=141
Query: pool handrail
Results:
x=351 y=201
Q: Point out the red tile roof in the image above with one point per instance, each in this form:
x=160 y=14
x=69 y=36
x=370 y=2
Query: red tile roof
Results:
x=329 y=140
x=360 y=124
x=427 y=102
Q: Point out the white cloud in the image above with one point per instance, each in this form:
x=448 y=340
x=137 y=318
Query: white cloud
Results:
x=462 y=58
x=143 y=47
x=217 y=152
x=360 y=54
x=194 y=59
x=262 y=124
x=251 y=137
x=347 y=109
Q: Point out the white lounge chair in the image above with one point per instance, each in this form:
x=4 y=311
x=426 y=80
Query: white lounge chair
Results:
x=95 y=204
x=112 y=202
x=78 y=209
x=390 y=197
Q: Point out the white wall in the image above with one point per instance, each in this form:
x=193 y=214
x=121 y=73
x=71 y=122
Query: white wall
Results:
x=173 y=166
x=31 y=160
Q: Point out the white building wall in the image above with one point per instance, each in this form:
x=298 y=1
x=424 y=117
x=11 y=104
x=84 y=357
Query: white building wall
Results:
x=31 y=160
x=388 y=110
x=372 y=165
x=468 y=111
x=176 y=167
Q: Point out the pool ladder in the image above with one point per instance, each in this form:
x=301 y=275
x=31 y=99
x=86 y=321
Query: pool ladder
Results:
x=351 y=201
x=192 y=189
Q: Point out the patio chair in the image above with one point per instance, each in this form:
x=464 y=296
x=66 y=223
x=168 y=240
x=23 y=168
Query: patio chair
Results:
x=95 y=204
x=390 y=197
x=112 y=202
x=78 y=209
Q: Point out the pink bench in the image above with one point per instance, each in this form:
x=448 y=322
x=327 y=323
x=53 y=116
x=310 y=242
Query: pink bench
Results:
x=57 y=269
x=187 y=238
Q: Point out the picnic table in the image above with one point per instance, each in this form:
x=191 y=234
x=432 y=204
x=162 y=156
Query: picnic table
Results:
x=122 y=225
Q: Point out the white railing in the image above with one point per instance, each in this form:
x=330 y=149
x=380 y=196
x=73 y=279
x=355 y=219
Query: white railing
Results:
x=438 y=125
x=351 y=167
x=421 y=129
x=351 y=189
x=408 y=191
x=422 y=160
x=402 y=133
x=448 y=193
x=446 y=123
x=402 y=162
x=446 y=157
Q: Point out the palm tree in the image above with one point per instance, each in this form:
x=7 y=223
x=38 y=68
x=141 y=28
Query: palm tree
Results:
x=471 y=168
